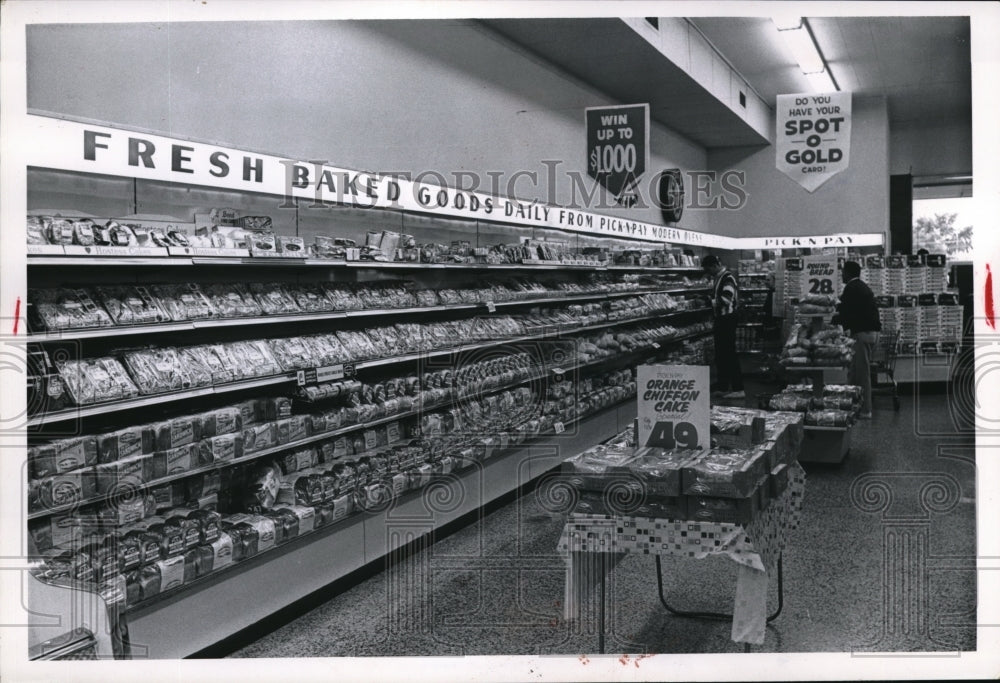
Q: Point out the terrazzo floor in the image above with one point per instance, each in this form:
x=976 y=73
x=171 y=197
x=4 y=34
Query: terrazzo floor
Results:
x=495 y=587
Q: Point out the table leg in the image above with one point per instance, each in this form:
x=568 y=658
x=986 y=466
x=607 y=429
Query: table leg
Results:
x=714 y=615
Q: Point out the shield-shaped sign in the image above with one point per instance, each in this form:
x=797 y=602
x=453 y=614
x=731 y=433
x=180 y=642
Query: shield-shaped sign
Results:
x=618 y=147
x=813 y=137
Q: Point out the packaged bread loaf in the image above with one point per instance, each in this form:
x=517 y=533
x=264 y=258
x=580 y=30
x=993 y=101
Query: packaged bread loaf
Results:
x=207 y=364
x=35 y=230
x=94 y=380
x=221 y=448
x=251 y=359
x=274 y=298
x=156 y=370
x=63 y=309
x=124 y=443
x=231 y=300
x=130 y=305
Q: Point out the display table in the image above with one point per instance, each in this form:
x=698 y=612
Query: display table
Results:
x=594 y=544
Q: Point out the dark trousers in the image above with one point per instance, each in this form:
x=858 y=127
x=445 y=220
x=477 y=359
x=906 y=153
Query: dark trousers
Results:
x=727 y=362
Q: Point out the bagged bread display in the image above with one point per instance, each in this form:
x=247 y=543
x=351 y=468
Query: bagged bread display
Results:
x=183 y=301
x=63 y=309
x=206 y=365
x=232 y=300
x=95 y=380
x=274 y=298
x=156 y=370
x=250 y=359
x=128 y=305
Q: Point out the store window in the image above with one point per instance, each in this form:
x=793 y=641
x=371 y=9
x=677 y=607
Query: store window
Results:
x=944 y=226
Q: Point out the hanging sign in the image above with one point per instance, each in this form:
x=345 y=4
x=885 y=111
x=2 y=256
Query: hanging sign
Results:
x=819 y=275
x=618 y=148
x=674 y=406
x=813 y=137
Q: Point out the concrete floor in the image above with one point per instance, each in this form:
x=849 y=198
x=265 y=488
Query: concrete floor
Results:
x=496 y=586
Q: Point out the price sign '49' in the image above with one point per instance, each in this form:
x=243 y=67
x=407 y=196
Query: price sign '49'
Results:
x=672 y=435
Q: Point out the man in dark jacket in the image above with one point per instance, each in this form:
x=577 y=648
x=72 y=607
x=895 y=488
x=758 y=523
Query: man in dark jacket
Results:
x=725 y=302
x=858 y=314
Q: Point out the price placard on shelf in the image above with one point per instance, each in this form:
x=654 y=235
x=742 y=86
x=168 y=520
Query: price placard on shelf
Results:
x=559 y=427
x=674 y=407
x=329 y=373
x=491 y=307
x=45 y=250
x=120 y=252
x=819 y=276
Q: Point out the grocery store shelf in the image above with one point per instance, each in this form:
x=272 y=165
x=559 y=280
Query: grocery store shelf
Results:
x=416 y=412
x=208 y=323
x=817 y=428
x=118 y=261
x=813 y=368
x=91 y=410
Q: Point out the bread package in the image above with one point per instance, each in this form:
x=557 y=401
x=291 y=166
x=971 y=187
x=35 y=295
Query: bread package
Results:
x=175 y=460
x=62 y=455
x=35 y=230
x=183 y=301
x=291 y=353
x=251 y=359
x=63 y=308
x=274 y=298
x=156 y=370
x=221 y=448
x=257 y=437
x=231 y=300
x=178 y=431
x=311 y=297
x=131 y=305
x=207 y=364
x=227 y=420
x=125 y=443
x=95 y=380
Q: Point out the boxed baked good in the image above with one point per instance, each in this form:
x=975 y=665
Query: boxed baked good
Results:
x=66 y=488
x=274 y=298
x=656 y=471
x=156 y=370
x=131 y=305
x=62 y=455
x=273 y=408
x=124 y=443
x=63 y=308
x=724 y=474
x=736 y=428
x=294 y=247
x=94 y=380
x=231 y=300
x=183 y=301
x=723 y=510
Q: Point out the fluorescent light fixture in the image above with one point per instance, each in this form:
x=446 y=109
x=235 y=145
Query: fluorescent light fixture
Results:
x=799 y=43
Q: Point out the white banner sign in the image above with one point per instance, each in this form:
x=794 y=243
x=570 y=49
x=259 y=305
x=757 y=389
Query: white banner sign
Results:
x=674 y=406
x=813 y=137
x=73 y=146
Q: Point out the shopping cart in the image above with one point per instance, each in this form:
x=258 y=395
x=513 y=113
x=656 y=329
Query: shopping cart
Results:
x=883 y=367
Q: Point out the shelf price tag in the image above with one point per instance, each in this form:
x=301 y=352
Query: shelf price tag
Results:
x=559 y=427
x=371 y=440
x=674 y=407
x=491 y=307
x=656 y=345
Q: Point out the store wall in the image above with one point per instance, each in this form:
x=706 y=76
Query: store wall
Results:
x=931 y=149
x=855 y=200
x=413 y=96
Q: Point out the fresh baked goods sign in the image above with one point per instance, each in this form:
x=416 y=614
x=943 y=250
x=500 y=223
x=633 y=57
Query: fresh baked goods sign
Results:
x=674 y=406
x=813 y=137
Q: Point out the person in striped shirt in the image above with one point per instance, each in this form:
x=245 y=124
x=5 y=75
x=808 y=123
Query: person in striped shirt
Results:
x=725 y=303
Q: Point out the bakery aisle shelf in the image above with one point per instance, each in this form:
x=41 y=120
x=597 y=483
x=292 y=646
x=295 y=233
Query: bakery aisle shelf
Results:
x=91 y=410
x=619 y=359
x=120 y=261
x=306 y=564
x=54 y=336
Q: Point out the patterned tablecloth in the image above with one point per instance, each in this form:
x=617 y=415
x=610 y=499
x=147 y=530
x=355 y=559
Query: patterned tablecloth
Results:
x=755 y=547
